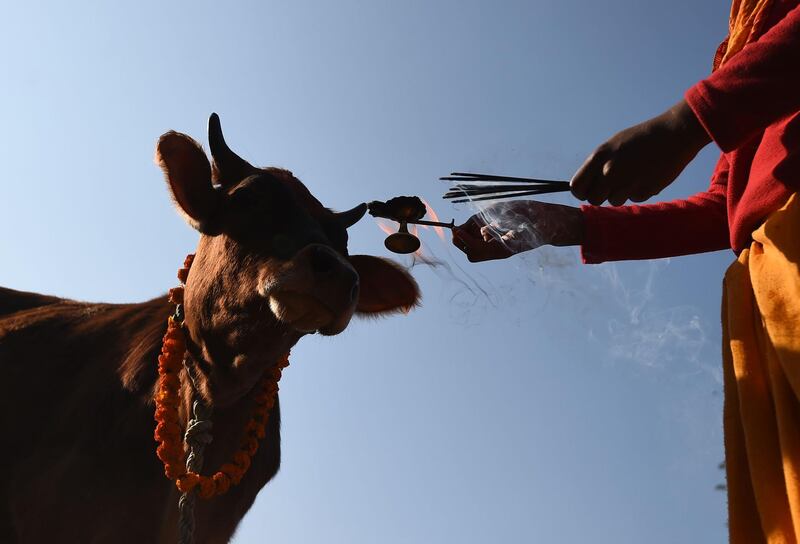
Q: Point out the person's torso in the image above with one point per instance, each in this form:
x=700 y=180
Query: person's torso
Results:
x=765 y=171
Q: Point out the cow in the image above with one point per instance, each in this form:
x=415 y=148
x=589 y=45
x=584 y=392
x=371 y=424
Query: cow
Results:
x=78 y=379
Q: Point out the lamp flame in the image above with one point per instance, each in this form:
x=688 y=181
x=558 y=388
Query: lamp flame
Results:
x=384 y=226
x=390 y=228
x=439 y=230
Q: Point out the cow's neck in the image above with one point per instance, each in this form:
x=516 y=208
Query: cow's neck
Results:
x=230 y=332
x=226 y=367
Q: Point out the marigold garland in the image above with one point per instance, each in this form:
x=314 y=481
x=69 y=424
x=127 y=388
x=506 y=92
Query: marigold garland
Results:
x=169 y=430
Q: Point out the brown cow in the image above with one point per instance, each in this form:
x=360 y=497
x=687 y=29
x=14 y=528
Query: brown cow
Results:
x=76 y=397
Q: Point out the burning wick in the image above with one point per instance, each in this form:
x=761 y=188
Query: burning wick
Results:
x=406 y=210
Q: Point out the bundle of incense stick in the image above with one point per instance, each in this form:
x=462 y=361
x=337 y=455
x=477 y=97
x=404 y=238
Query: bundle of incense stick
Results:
x=475 y=187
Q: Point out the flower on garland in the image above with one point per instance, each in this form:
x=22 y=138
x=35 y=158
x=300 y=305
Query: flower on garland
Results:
x=168 y=432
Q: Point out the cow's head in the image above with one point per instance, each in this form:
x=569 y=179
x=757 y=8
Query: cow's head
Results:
x=272 y=262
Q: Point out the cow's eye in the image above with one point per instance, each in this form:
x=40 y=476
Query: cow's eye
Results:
x=244 y=201
x=337 y=236
x=282 y=245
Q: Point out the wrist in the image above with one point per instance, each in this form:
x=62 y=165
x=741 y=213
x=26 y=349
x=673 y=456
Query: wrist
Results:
x=573 y=227
x=688 y=126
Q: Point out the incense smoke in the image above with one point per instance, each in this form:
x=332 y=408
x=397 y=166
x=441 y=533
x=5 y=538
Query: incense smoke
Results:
x=616 y=303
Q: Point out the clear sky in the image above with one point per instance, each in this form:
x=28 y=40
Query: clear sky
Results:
x=529 y=400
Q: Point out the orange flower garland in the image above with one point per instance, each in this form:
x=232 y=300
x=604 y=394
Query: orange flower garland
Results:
x=169 y=430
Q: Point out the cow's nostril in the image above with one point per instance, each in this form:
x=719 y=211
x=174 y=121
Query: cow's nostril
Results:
x=323 y=260
x=354 y=292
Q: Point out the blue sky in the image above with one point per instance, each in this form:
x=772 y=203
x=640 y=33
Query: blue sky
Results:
x=529 y=400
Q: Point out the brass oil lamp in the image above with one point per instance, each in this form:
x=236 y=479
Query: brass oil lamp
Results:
x=405 y=210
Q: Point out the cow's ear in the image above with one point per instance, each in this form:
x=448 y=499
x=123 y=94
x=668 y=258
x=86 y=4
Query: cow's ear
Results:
x=188 y=174
x=385 y=286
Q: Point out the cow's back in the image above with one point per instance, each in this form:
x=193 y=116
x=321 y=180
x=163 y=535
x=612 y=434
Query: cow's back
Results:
x=76 y=385
x=79 y=444
x=12 y=301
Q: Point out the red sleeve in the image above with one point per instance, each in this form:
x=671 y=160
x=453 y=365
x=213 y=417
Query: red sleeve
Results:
x=666 y=229
x=758 y=86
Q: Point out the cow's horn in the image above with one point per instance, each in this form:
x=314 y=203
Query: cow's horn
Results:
x=230 y=166
x=351 y=217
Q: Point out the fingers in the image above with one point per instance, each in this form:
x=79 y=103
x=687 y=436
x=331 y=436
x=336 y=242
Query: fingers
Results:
x=601 y=179
x=587 y=176
x=619 y=186
x=617 y=197
x=473 y=225
x=640 y=195
x=467 y=243
x=476 y=247
x=637 y=162
x=490 y=231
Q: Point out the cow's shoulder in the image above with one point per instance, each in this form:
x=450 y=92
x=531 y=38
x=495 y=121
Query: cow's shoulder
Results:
x=12 y=301
x=121 y=340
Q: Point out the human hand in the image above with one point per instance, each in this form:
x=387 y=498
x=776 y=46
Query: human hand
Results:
x=508 y=228
x=641 y=161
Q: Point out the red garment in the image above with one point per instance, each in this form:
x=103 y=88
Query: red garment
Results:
x=751 y=108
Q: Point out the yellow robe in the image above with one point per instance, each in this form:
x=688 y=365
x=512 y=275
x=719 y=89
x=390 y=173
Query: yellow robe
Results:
x=761 y=362
x=761 y=356
x=747 y=21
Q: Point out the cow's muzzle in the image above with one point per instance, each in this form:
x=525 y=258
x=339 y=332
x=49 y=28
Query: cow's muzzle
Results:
x=317 y=290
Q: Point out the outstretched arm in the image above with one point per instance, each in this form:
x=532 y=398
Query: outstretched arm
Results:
x=506 y=229
x=638 y=162
x=693 y=225
x=666 y=229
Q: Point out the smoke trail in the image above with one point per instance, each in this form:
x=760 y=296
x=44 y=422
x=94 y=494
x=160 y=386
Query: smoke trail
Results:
x=620 y=311
x=468 y=295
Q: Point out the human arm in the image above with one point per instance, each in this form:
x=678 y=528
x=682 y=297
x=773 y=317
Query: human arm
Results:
x=696 y=224
x=692 y=225
x=638 y=162
x=755 y=88
x=508 y=228
x=758 y=86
